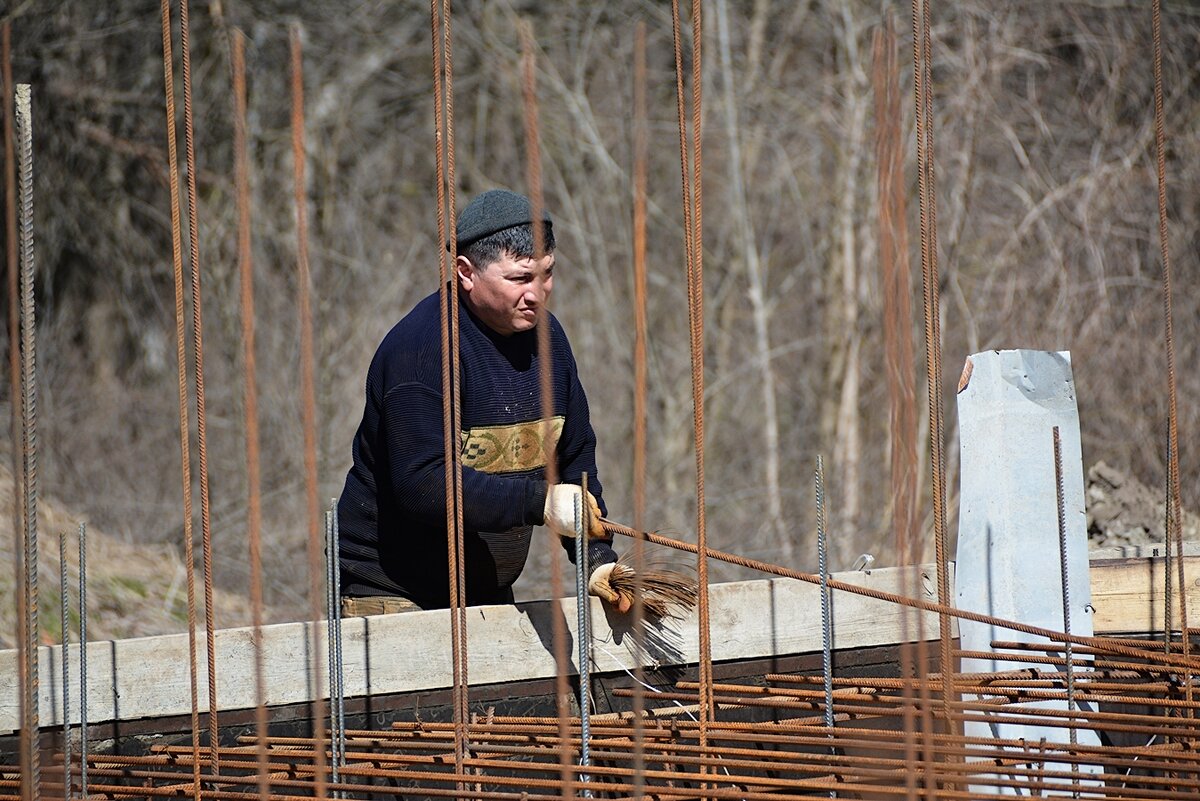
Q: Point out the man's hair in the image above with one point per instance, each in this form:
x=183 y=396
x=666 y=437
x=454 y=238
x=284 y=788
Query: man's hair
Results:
x=516 y=241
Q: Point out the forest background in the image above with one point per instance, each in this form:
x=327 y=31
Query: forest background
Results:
x=1047 y=221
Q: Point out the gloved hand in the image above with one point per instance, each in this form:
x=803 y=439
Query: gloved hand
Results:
x=559 y=513
x=599 y=586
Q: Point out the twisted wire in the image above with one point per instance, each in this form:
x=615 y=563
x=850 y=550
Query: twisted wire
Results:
x=181 y=362
x=189 y=138
x=24 y=131
x=308 y=393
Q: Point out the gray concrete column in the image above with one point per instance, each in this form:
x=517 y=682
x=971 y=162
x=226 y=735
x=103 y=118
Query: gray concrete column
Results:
x=1008 y=562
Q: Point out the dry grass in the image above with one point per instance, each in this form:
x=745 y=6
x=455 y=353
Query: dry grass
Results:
x=134 y=590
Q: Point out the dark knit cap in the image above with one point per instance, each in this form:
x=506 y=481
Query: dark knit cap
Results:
x=494 y=211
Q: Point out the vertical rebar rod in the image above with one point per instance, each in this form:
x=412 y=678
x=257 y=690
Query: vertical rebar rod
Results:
x=584 y=634
x=1173 y=505
x=696 y=324
x=250 y=400
x=338 y=663
x=332 y=617
x=451 y=414
x=460 y=599
x=14 y=366
x=65 y=643
x=1066 y=592
x=533 y=178
x=693 y=239
x=181 y=365
x=189 y=138
x=922 y=65
x=641 y=150
x=24 y=131
x=308 y=398
x=826 y=623
x=83 y=674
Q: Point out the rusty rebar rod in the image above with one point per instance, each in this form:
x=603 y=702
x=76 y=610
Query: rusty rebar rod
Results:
x=181 y=364
x=193 y=212
x=250 y=396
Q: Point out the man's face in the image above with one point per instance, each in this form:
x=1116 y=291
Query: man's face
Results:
x=508 y=293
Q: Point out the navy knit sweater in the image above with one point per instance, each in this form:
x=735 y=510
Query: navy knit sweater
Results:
x=392 y=513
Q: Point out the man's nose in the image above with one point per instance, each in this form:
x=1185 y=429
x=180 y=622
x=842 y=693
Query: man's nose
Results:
x=537 y=291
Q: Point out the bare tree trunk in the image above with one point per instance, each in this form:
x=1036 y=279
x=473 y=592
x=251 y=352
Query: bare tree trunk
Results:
x=847 y=449
x=894 y=264
x=756 y=278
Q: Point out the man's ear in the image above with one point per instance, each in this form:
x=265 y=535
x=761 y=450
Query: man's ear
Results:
x=466 y=272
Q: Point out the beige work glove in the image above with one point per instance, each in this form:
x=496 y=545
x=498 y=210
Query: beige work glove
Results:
x=599 y=586
x=559 y=514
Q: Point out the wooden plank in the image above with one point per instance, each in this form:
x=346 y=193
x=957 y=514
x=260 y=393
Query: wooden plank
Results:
x=1128 y=594
x=148 y=677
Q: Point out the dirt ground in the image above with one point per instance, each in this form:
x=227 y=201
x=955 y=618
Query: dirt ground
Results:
x=133 y=590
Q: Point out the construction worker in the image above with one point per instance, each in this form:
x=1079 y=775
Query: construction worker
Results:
x=392 y=512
